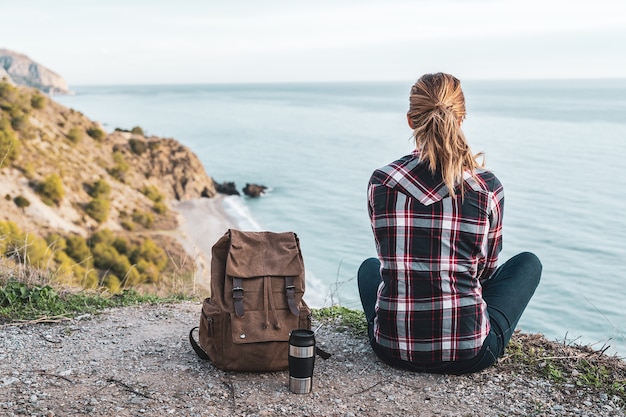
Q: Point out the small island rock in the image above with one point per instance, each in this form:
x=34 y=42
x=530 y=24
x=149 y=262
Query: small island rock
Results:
x=254 y=190
x=228 y=188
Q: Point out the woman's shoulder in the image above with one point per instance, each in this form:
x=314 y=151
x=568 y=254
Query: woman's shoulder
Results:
x=485 y=180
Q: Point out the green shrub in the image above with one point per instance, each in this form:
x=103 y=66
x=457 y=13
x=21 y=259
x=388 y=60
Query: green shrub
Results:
x=9 y=145
x=151 y=252
x=112 y=283
x=8 y=232
x=102 y=236
x=35 y=251
x=21 y=201
x=137 y=130
x=128 y=225
x=56 y=242
x=75 y=134
x=152 y=193
x=6 y=90
x=64 y=272
x=76 y=247
x=132 y=278
x=121 y=166
x=100 y=188
x=20 y=122
x=106 y=257
x=138 y=146
x=144 y=219
x=51 y=190
x=149 y=271
x=28 y=169
x=159 y=208
x=122 y=245
x=24 y=247
x=88 y=279
x=37 y=101
x=96 y=133
x=98 y=209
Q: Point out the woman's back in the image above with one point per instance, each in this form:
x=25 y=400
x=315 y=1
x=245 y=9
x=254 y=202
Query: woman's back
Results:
x=433 y=248
x=435 y=298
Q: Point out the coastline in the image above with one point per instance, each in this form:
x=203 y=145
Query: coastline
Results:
x=202 y=221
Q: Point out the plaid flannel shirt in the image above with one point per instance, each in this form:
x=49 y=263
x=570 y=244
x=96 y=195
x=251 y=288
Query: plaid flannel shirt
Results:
x=435 y=252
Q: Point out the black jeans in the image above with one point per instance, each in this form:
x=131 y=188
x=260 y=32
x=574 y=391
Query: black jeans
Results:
x=506 y=293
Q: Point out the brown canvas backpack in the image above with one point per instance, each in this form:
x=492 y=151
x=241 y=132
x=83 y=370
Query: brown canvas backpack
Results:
x=257 y=284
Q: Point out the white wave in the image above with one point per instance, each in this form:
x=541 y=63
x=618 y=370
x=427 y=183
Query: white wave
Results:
x=315 y=291
x=240 y=214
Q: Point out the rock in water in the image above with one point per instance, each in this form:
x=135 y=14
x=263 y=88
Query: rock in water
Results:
x=228 y=188
x=254 y=190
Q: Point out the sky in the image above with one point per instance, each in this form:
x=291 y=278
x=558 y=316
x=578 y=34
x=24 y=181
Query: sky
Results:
x=93 y=42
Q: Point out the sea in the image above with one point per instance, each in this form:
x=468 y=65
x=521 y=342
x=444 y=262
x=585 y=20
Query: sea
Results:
x=558 y=146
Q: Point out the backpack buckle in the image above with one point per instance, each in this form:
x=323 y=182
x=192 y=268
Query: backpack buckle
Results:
x=238 y=296
x=290 y=293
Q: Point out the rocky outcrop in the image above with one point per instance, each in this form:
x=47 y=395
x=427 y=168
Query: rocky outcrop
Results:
x=174 y=168
x=227 y=188
x=230 y=188
x=254 y=190
x=21 y=70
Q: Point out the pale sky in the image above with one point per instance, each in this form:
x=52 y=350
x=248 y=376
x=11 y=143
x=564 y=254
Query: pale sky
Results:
x=194 y=41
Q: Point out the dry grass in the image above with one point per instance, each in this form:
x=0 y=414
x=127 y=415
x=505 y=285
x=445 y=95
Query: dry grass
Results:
x=566 y=364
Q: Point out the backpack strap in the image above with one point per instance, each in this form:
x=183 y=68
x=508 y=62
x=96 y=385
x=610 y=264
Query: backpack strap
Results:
x=196 y=347
x=322 y=353
x=290 y=291
x=238 y=296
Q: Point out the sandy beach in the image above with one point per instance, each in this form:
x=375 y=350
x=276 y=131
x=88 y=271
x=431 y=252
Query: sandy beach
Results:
x=202 y=222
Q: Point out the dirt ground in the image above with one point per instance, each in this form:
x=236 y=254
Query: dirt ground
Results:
x=137 y=361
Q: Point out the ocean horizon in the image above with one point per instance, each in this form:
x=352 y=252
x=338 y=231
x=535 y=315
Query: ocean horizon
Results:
x=558 y=147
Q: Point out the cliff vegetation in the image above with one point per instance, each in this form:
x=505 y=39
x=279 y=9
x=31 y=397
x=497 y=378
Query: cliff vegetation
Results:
x=87 y=208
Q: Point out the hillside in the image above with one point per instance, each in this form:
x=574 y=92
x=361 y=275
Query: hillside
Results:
x=63 y=179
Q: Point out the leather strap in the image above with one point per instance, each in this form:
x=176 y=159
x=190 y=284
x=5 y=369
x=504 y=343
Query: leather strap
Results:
x=238 y=296
x=196 y=347
x=322 y=353
x=290 y=291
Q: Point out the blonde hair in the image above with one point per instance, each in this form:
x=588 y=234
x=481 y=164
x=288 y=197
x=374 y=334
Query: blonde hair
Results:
x=436 y=110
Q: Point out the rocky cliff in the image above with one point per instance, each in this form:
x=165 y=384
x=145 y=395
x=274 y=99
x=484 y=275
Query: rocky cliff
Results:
x=62 y=174
x=56 y=140
x=21 y=70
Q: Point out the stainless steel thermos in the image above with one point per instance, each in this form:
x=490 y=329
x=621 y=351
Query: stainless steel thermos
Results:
x=301 y=360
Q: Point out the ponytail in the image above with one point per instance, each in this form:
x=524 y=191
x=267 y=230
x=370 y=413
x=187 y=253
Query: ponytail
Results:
x=437 y=108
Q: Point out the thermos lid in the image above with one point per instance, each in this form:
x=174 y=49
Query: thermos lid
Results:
x=302 y=337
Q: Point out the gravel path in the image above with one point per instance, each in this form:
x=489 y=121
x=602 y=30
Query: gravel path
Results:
x=137 y=362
